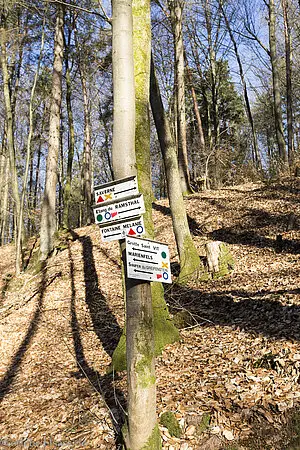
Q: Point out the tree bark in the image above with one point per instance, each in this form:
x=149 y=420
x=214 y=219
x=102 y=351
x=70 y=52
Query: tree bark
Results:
x=9 y=127
x=288 y=70
x=4 y=183
x=197 y=113
x=164 y=329
x=19 y=252
x=256 y=155
x=276 y=83
x=142 y=430
x=190 y=264
x=86 y=173
x=71 y=142
x=176 y=7
x=48 y=214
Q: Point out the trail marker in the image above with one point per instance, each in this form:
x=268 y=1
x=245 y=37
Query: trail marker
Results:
x=133 y=227
x=115 y=190
x=123 y=209
x=147 y=260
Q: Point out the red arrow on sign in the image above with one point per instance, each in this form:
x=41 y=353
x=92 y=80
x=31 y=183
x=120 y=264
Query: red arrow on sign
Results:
x=113 y=214
x=158 y=276
x=131 y=232
x=100 y=199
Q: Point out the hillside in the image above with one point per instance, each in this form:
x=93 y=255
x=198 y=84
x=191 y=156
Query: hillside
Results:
x=237 y=365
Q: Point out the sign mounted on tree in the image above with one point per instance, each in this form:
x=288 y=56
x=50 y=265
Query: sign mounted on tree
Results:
x=123 y=209
x=147 y=260
x=133 y=227
x=115 y=190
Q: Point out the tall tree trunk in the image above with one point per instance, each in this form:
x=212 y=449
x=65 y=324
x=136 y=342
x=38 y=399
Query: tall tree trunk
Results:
x=87 y=156
x=48 y=217
x=176 y=7
x=276 y=83
x=164 y=330
x=197 y=113
x=86 y=173
x=256 y=155
x=143 y=432
x=190 y=263
x=9 y=126
x=213 y=108
x=71 y=141
x=19 y=253
x=4 y=184
x=288 y=68
x=213 y=74
x=36 y=183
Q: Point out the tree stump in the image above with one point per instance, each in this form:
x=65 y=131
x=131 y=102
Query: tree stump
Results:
x=219 y=260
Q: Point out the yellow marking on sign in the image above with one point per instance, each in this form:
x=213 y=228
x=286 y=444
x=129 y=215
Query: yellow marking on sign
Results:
x=108 y=197
x=164 y=265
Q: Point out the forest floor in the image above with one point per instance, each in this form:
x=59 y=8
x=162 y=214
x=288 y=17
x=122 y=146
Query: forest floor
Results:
x=233 y=379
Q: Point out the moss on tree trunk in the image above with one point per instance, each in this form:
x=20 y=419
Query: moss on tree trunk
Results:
x=165 y=331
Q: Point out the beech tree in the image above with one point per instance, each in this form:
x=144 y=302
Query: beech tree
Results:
x=176 y=10
x=190 y=264
x=48 y=213
x=9 y=102
x=142 y=431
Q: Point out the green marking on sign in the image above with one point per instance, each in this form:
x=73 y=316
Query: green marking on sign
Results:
x=99 y=217
x=163 y=254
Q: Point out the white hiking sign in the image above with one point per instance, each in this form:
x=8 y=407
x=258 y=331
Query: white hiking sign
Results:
x=147 y=260
x=126 y=187
x=123 y=209
x=119 y=230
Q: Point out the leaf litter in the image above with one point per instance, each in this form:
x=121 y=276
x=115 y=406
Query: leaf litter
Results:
x=236 y=368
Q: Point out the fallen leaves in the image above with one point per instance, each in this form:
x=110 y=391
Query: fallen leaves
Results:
x=238 y=363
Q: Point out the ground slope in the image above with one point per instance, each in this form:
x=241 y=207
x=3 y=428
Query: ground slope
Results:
x=237 y=366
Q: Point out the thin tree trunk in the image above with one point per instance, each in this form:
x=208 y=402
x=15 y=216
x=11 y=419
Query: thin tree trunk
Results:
x=48 y=217
x=176 y=8
x=256 y=155
x=143 y=432
x=288 y=68
x=87 y=157
x=276 y=83
x=197 y=113
x=67 y=187
x=213 y=74
x=86 y=172
x=9 y=126
x=36 y=184
x=190 y=263
x=4 y=184
x=19 y=254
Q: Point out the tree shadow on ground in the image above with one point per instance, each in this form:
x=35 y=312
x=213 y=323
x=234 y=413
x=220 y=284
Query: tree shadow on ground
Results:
x=258 y=312
x=245 y=235
x=195 y=227
x=250 y=237
x=113 y=398
x=6 y=383
x=104 y=322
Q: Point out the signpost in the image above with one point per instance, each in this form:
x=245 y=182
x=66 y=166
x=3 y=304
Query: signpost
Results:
x=115 y=190
x=122 y=209
x=119 y=230
x=147 y=260
x=120 y=200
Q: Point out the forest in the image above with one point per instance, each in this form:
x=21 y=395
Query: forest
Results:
x=194 y=106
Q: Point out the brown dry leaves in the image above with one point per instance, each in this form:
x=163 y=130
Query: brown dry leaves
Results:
x=239 y=361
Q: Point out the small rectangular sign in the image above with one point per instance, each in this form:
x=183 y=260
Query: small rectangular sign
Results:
x=119 y=230
x=115 y=190
x=120 y=210
x=147 y=260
